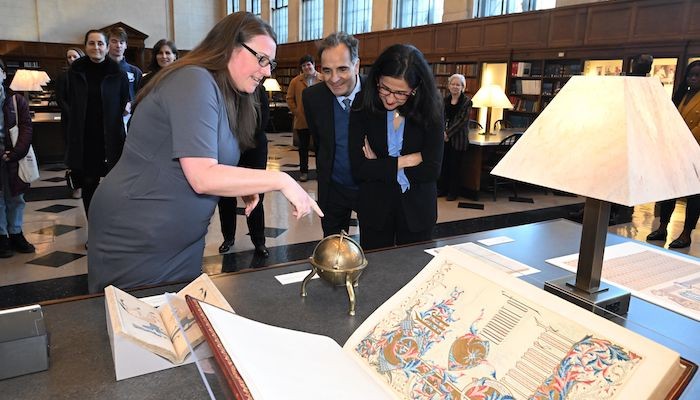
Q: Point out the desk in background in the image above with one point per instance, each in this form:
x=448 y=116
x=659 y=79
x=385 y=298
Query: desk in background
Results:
x=81 y=360
x=473 y=161
x=280 y=118
x=48 y=141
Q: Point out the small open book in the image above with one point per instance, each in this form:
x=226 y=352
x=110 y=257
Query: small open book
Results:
x=461 y=329
x=157 y=328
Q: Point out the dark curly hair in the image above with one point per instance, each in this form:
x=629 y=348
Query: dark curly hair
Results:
x=403 y=61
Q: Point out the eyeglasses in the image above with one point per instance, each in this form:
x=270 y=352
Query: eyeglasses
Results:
x=263 y=60
x=398 y=95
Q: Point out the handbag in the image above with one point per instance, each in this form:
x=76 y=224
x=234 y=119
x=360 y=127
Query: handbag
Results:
x=28 y=167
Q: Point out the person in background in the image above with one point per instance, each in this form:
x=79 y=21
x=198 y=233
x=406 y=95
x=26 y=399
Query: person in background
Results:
x=327 y=110
x=396 y=146
x=164 y=53
x=251 y=158
x=192 y=120
x=98 y=91
x=117 y=46
x=15 y=113
x=307 y=77
x=457 y=108
x=72 y=54
x=687 y=99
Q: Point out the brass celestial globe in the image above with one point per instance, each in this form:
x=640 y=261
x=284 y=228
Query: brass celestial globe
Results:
x=339 y=260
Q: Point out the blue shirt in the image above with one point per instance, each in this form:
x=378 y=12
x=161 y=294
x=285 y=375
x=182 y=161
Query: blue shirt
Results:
x=394 y=140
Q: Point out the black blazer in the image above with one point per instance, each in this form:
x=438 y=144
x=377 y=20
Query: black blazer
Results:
x=115 y=95
x=320 y=116
x=377 y=178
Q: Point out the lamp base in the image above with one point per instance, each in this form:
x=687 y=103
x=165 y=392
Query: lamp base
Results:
x=607 y=301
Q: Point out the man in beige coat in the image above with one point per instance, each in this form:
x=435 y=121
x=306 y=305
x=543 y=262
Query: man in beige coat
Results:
x=306 y=78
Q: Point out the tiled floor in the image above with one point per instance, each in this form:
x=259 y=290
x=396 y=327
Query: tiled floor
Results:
x=56 y=224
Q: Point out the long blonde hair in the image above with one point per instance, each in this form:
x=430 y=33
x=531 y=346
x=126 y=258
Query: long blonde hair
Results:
x=213 y=54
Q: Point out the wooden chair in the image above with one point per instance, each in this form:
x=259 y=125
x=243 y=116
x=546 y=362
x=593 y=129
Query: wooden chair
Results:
x=501 y=123
x=497 y=154
x=474 y=124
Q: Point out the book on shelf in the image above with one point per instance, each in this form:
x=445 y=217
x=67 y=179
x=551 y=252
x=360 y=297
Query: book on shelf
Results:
x=467 y=69
x=460 y=329
x=547 y=88
x=525 y=105
x=157 y=328
x=520 y=68
x=526 y=86
x=553 y=70
x=441 y=69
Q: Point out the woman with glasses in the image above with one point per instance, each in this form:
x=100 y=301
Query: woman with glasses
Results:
x=396 y=145
x=150 y=215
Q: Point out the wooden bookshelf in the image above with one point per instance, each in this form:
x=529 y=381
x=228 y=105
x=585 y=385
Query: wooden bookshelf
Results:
x=443 y=71
x=284 y=75
x=532 y=84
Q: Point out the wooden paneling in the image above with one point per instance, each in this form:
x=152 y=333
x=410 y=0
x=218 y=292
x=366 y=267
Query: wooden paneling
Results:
x=496 y=34
x=393 y=38
x=655 y=21
x=620 y=27
x=469 y=37
x=292 y=53
x=445 y=37
x=608 y=23
x=369 y=49
x=693 y=19
x=424 y=40
x=529 y=31
x=566 y=28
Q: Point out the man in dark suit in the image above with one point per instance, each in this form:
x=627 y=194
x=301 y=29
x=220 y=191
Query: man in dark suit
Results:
x=327 y=110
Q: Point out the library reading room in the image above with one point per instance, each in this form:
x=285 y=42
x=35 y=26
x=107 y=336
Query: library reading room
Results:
x=350 y=199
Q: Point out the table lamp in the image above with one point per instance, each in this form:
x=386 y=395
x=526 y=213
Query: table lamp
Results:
x=271 y=85
x=611 y=139
x=490 y=96
x=26 y=81
x=41 y=77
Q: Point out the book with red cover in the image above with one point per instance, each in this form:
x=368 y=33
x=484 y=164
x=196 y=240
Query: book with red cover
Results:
x=233 y=379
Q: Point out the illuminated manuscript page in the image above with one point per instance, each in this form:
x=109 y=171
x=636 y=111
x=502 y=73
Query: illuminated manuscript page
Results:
x=463 y=329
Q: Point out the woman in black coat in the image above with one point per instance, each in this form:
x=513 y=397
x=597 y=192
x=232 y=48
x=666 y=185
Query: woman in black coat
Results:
x=396 y=146
x=457 y=109
x=98 y=91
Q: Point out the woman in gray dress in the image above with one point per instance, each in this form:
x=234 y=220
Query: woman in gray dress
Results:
x=149 y=216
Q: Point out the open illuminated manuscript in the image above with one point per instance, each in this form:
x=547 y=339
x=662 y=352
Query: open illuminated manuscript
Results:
x=157 y=328
x=461 y=329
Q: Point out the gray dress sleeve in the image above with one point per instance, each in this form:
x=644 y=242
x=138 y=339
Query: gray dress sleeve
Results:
x=194 y=105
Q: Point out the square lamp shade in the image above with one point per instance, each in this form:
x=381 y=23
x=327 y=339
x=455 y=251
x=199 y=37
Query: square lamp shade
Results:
x=271 y=85
x=611 y=139
x=490 y=96
x=29 y=80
